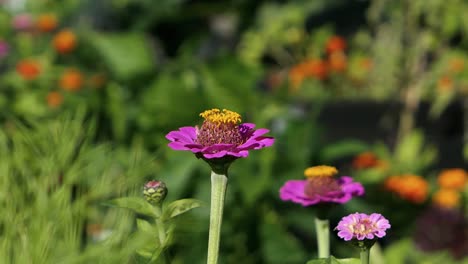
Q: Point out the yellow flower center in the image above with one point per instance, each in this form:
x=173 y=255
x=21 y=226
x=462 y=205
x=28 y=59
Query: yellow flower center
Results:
x=320 y=171
x=224 y=116
x=220 y=127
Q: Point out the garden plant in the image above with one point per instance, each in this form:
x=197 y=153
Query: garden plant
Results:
x=234 y=131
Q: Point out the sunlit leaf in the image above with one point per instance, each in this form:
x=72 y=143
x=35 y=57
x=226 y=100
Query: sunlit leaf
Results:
x=179 y=207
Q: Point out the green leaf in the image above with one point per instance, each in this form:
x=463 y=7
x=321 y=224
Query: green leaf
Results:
x=343 y=148
x=126 y=54
x=136 y=204
x=279 y=246
x=398 y=251
x=145 y=226
x=179 y=207
x=333 y=260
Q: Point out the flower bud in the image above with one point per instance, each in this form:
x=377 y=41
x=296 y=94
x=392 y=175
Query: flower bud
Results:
x=155 y=191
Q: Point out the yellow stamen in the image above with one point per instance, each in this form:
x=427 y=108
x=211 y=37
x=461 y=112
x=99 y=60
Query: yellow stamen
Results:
x=221 y=117
x=322 y=170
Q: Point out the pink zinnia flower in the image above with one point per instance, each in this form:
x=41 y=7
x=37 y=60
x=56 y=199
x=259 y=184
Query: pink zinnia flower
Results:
x=362 y=226
x=22 y=22
x=220 y=135
x=321 y=187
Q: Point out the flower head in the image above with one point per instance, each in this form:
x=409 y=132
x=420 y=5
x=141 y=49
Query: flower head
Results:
x=453 y=178
x=28 y=69
x=155 y=191
x=71 y=80
x=65 y=41
x=22 y=22
x=46 y=22
x=221 y=135
x=54 y=99
x=321 y=187
x=410 y=187
x=335 y=43
x=337 y=61
x=365 y=160
x=446 y=198
x=362 y=226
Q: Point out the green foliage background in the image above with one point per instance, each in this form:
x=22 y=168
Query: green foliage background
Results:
x=60 y=167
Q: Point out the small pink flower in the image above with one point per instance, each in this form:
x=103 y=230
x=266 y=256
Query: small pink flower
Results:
x=361 y=226
x=221 y=135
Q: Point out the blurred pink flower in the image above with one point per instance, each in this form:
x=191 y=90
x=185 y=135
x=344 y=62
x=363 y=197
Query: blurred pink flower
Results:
x=22 y=22
x=317 y=190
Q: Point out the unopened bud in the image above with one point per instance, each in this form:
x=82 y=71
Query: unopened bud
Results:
x=155 y=192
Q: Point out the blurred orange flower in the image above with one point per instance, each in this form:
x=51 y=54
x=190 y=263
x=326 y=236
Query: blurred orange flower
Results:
x=71 y=80
x=54 y=99
x=365 y=160
x=46 y=22
x=337 y=61
x=446 y=198
x=296 y=76
x=445 y=84
x=335 y=43
x=65 y=41
x=456 y=65
x=452 y=178
x=409 y=187
x=28 y=69
x=316 y=68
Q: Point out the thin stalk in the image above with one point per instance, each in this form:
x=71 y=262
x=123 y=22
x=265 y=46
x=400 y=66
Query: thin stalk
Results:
x=322 y=228
x=218 y=193
x=365 y=256
x=161 y=232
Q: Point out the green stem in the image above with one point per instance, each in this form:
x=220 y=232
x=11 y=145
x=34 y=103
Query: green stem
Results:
x=322 y=228
x=218 y=192
x=365 y=256
x=161 y=232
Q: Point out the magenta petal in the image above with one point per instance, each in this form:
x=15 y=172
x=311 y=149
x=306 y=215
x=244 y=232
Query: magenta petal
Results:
x=183 y=135
x=248 y=125
x=189 y=131
x=219 y=154
x=239 y=153
x=257 y=143
x=294 y=191
x=259 y=132
x=177 y=146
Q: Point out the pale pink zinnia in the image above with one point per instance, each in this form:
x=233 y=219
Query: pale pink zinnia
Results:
x=362 y=226
x=220 y=135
